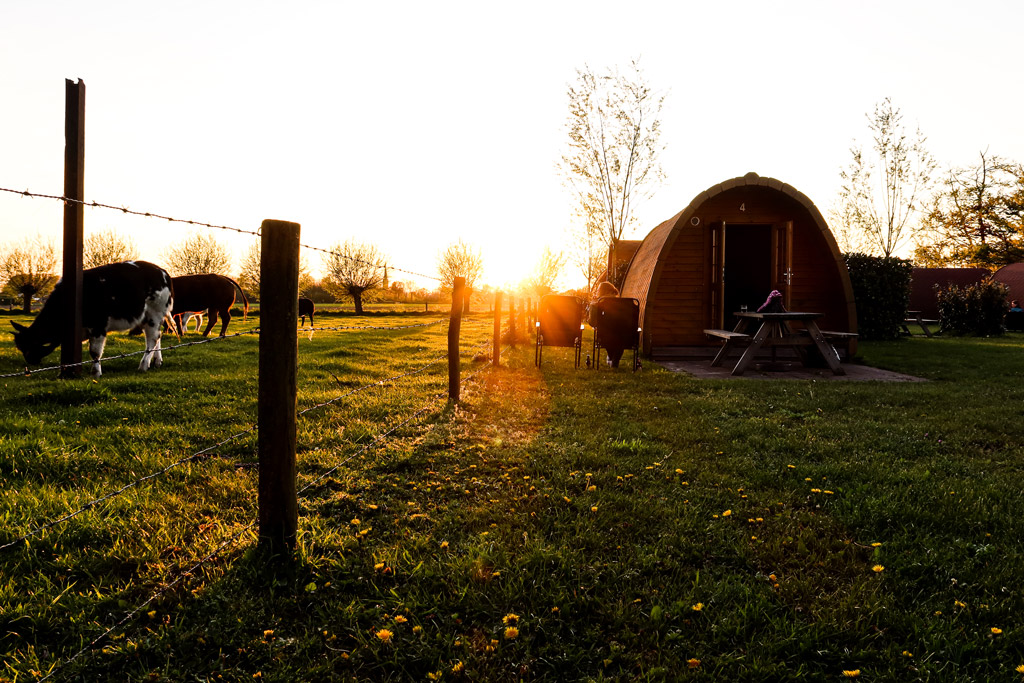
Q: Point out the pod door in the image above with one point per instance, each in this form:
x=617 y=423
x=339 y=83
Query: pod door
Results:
x=747 y=276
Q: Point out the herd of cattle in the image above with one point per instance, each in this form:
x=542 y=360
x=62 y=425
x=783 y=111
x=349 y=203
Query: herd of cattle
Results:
x=137 y=296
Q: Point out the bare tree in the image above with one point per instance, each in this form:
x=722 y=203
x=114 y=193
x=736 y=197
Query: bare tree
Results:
x=545 y=273
x=614 y=145
x=249 y=272
x=107 y=246
x=353 y=269
x=27 y=269
x=198 y=253
x=460 y=260
x=884 y=188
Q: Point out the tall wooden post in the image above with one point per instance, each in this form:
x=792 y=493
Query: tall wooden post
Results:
x=278 y=384
x=74 y=228
x=496 y=344
x=512 y=320
x=454 y=328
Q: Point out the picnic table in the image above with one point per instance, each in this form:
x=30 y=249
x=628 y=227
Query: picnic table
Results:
x=917 y=318
x=774 y=331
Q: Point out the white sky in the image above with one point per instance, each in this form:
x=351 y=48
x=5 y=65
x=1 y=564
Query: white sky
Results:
x=414 y=124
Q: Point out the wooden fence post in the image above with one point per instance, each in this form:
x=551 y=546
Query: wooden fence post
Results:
x=74 y=228
x=278 y=387
x=454 y=328
x=496 y=344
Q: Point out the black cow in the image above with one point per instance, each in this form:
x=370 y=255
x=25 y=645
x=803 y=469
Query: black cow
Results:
x=134 y=295
x=208 y=291
x=306 y=307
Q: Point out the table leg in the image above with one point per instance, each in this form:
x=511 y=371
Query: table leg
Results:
x=828 y=352
x=720 y=357
x=920 y=321
x=755 y=345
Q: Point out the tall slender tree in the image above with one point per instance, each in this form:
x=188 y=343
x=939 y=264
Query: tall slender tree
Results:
x=612 y=162
x=884 y=188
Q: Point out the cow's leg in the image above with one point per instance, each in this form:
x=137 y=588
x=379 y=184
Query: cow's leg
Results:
x=211 y=322
x=226 y=315
x=96 y=345
x=152 y=356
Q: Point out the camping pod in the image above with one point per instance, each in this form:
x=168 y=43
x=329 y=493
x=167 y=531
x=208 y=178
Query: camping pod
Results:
x=924 y=281
x=734 y=244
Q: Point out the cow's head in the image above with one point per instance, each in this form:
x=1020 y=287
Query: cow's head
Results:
x=33 y=348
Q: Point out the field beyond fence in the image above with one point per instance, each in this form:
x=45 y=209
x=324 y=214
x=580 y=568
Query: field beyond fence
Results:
x=556 y=524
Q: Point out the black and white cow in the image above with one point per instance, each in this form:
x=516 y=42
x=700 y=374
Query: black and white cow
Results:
x=134 y=295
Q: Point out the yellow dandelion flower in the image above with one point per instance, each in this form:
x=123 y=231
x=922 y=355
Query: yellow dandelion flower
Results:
x=356 y=522
x=792 y=467
x=372 y=507
x=815 y=490
x=567 y=499
x=727 y=513
x=554 y=610
x=679 y=471
x=593 y=508
x=511 y=633
x=851 y=673
x=827 y=492
x=510 y=618
x=444 y=545
x=268 y=633
x=773 y=577
x=938 y=613
x=384 y=635
x=698 y=607
x=364 y=532
x=591 y=488
x=996 y=631
x=1020 y=669
x=457 y=667
x=908 y=653
x=960 y=604
x=399 y=619
x=693 y=663
x=876 y=544
x=878 y=568
x=379 y=566
x=807 y=479
x=417 y=629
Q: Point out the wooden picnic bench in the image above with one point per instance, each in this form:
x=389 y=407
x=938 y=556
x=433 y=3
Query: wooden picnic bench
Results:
x=774 y=332
x=917 y=318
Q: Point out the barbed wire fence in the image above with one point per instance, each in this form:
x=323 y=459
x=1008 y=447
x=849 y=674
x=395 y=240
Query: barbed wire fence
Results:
x=261 y=525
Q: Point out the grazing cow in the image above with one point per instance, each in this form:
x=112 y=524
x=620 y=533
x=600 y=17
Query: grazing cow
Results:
x=134 y=295
x=197 y=293
x=306 y=307
x=184 y=319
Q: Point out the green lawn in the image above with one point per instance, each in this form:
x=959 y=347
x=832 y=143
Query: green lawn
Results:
x=556 y=525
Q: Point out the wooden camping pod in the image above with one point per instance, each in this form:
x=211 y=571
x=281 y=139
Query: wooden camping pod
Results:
x=731 y=246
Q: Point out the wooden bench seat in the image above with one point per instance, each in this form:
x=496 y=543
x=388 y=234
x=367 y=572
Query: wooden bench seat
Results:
x=727 y=335
x=830 y=334
x=926 y=321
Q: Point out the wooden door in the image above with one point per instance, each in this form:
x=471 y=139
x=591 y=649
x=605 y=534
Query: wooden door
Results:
x=782 y=259
x=716 y=259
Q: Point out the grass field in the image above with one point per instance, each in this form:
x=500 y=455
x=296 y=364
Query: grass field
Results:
x=556 y=525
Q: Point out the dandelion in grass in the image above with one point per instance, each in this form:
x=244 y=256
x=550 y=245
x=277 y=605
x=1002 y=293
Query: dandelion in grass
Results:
x=851 y=673
x=378 y=567
x=727 y=513
x=511 y=633
x=384 y=635
x=444 y=545
x=996 y=631
x=567 y=499
x=356 y=522
x=908 y=653
x=510 y=618
x=693 y=662
x=591 y=488
x=960 y=604
x=268 y=633
x=593 y=508
x=457 y=667
x=878 y=569
x=1020 y=669
x=698 y=607
x=399 y=619
x=417 y=629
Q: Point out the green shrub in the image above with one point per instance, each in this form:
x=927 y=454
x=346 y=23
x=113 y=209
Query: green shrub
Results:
x=978 y=309
x=881 y=289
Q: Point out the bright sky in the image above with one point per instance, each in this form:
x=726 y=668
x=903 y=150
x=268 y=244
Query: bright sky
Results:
x=414 y=124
